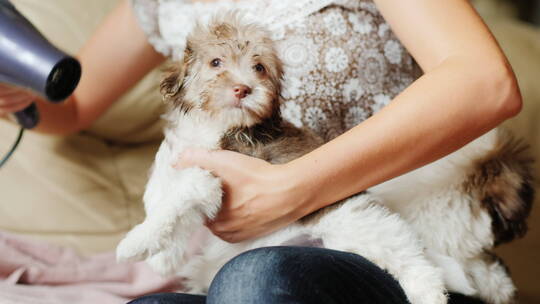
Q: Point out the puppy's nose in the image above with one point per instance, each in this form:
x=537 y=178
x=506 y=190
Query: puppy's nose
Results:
x=241 y=91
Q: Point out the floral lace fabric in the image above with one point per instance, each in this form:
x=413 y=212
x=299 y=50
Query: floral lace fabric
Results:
x=342 y=61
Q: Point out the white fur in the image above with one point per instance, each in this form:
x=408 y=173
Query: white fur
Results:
x=176 y=201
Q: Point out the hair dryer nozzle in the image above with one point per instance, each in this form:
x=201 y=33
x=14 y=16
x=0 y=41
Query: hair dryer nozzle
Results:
x=28 y=60
x=63 y=79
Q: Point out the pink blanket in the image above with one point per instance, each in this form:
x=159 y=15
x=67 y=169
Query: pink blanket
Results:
x=34 y=272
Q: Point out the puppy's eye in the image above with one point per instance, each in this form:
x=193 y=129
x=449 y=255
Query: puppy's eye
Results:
x=215 y=63
x=259 y=68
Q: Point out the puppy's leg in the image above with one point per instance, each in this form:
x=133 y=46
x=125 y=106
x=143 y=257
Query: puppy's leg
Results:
x=180 y=210
x=360 y=225
x=176 y=202
x=169 y=260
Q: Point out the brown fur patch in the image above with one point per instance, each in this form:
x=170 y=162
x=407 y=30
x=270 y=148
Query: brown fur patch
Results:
x=502 y=182
x=272 y=140
x=224 y=31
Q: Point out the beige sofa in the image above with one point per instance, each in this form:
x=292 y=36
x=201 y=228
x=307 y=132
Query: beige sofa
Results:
x=85 y=191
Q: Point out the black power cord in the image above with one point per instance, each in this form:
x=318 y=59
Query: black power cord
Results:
x=13 y=148
x=27 y=119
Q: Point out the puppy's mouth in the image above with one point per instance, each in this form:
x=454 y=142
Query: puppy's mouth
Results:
x=246 y=103
x=237 y=103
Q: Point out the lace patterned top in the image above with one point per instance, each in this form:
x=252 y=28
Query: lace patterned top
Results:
x=342 y=61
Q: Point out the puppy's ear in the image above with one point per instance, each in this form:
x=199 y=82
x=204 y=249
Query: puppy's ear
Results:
x=171 y=86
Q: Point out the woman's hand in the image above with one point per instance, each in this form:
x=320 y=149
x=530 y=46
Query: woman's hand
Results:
x=259 y=197
x=13 y=99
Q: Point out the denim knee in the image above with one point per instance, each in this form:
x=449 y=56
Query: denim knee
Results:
x=255 y=276
x=297 y=275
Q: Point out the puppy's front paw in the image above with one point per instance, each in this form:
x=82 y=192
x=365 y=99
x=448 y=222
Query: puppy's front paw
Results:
x=166 y=262
x=139 y=243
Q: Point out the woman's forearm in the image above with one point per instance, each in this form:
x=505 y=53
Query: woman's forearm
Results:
x=439 y=113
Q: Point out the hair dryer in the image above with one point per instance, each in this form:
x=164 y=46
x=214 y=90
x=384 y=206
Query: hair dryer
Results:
x=28 y=60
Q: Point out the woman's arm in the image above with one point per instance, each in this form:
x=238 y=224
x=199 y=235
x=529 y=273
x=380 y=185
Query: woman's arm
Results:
x=115 y=58
x=468 y=88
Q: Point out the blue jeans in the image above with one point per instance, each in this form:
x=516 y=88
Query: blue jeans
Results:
x=296 y=275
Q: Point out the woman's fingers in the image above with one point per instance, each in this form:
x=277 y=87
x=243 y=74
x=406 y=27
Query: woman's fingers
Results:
x=13 y=99
x=4 y=88
x=196 y=157
x=223 y=163
x=14 y=107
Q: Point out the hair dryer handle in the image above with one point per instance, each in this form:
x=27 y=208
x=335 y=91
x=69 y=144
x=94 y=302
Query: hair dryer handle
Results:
x=29 y=117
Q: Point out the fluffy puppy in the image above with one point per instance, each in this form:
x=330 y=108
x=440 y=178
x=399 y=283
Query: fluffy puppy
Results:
x=225 y=95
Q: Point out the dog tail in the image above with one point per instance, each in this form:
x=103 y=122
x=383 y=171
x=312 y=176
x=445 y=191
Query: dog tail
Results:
x=502 y=182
